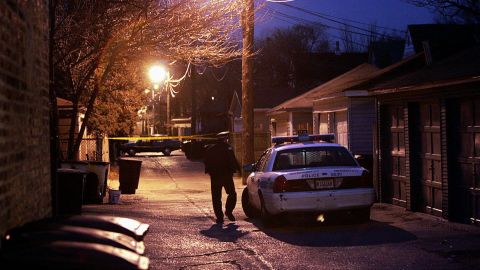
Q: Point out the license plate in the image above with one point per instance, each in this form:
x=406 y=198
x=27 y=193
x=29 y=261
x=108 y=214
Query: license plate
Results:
x=323 y=184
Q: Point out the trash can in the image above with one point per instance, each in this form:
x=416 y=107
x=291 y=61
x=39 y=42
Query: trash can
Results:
x=70 y=191
x=101 y=169
x=74 y=164
x=96 y=179
x=129 y=174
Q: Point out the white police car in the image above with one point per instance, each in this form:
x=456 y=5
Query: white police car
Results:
x=303 y=175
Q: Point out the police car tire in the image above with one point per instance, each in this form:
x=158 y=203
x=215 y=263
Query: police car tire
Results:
x=131 y=152
x=167 y=151
x=363 y=215
x=247 y=207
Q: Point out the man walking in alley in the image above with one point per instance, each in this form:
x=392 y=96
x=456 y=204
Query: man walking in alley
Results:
x=220 y=164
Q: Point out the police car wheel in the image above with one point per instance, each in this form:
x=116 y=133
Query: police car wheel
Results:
x=247 y=206
x=167 y=152
x=131 y=152
x=362 y=215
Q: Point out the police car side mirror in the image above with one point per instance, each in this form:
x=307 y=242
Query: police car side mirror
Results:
x=249 y=168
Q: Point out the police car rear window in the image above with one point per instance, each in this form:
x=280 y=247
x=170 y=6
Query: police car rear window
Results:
x=313 y=157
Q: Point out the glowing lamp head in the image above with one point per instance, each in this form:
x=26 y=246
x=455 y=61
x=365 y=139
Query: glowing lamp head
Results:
x=157 y=74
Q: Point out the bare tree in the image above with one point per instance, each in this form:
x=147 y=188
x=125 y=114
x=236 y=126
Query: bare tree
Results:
x=350 y=42
x=457 y=11
x=99 y=41
x=284 y=56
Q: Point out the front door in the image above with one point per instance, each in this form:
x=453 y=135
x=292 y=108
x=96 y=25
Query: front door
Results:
x=430 y=157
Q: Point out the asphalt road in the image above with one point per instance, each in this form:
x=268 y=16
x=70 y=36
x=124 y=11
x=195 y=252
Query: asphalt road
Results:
x=174 y=198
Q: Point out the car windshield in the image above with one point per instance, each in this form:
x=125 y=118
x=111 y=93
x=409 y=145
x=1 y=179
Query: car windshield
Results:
x=313 y=157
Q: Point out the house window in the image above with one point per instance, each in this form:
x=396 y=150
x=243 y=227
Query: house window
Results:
x=323 y=124
x=341 y=128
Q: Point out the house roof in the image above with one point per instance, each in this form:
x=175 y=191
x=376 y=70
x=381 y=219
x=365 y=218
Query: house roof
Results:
x=64 y=103
x=320 y=68
x=235 y=105
x=408 y=64
x=444 y=39
x=336 y=85
x=458 y=68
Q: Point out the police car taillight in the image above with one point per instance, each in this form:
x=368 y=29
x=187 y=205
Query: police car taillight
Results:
x=366 y=179
x=363 y=181
x=280 y=184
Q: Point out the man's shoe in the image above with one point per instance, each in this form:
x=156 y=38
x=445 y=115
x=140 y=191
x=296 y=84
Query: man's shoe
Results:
x=219 y=220
x=230 y=216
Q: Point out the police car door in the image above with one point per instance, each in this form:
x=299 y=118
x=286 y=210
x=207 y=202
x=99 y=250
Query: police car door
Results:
x=254 y=185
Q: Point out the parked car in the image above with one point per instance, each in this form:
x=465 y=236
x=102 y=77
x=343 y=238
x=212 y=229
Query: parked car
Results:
x=305 y=175
x=166 y=146
x=194 y=149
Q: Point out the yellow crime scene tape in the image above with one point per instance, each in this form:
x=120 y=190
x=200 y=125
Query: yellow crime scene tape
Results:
x=210 y=136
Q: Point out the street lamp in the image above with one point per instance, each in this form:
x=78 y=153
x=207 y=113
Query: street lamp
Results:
x=157 y=74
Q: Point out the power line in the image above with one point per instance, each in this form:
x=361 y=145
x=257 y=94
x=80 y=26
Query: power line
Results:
x=296 y=20
x=324 y=25
x=346 y=30
x=317 y=14
x=346 y=19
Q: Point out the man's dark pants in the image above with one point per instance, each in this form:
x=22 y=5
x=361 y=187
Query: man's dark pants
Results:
x=217 y=182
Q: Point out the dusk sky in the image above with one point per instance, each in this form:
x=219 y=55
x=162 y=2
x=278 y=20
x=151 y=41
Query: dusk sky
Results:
x=384 y=13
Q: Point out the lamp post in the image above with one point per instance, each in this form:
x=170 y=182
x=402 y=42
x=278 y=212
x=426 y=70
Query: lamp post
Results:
x=157 y=75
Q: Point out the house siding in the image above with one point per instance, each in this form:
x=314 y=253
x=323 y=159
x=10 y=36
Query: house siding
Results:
x=25 y=184
x=361 y=119
x=282 y=124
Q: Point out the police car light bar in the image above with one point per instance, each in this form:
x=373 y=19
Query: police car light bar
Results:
x=304 y=138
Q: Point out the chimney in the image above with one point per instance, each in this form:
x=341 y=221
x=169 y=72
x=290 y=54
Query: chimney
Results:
x=428 y=53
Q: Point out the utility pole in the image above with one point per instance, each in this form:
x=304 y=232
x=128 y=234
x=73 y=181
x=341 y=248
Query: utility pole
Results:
x=169 y=130
x=193 y=126
x=248 y=155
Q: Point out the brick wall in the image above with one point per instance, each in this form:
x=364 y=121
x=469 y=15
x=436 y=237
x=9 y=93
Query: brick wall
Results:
x=24 y=113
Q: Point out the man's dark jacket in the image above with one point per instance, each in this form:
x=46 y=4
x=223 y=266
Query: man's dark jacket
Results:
x=220 y=159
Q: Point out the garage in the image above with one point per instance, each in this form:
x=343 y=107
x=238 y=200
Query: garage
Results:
x=393 y=155
x=430 y=200
x=465 y=162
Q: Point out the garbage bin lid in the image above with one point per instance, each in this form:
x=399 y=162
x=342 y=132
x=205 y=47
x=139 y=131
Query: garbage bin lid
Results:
x=128 y=226
x=70 y=171
x=94 y=162
x=129 y=159
x=85 y=162
x=72 y=255
x=44 y=233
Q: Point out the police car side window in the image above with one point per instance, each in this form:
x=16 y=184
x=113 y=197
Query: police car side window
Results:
x=262 y=162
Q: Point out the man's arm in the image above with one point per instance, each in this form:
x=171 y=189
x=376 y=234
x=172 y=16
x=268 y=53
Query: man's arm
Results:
x=206 y=161
x=233 y=160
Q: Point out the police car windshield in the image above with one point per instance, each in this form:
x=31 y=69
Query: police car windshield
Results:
x=313 y=157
